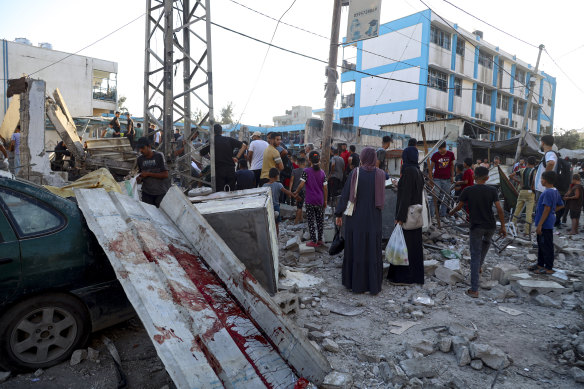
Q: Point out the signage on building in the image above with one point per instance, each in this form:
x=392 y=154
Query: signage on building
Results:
x=363 y=22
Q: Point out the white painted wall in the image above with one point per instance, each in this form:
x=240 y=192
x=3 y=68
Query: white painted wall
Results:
x=485 y=110
x=506 y=75
x=376 y=121
x=437 y=99
x=485 y=75
x=73 y=76
x=465 y=65
x=440 y=56
x=462 y=105
x=392 y=45
x=377 y=91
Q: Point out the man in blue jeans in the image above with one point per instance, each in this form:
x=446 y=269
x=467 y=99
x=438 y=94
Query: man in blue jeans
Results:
x=442 y=173
x=480 y=199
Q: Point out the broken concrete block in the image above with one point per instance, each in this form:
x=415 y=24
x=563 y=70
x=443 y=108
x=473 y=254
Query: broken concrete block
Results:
x=303 y=249
x=520 y=276
x=488 y=285
x=547 y=301
x=288 y=302
x=77 y=357
x=500 y=292
x=287 y=211
x=493 y=357
x=4 y=375
x=541 y=287
x=463 y=356
x=386 y=372
x=502 y=272
x=313 y=327
x=419 y=368
x=476 y=364
x=337 y=380
x=531 y=257
x=445 y=344
x=293 y=243
x=423 y=300
x=452 y=264
x=577 y=374
x=316 y=336
x=458 y=330
x=448 y=276
x=430 y=267
x=425 y=347
x=92 y=354
x=330 y=345
x=329 y=235
x=367 y=357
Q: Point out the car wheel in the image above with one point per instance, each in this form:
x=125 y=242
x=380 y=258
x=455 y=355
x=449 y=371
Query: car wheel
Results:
x=42 y=331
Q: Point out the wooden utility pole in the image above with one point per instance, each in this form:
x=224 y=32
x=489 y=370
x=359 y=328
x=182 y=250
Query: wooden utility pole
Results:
x=528 y=108
x=331 y=88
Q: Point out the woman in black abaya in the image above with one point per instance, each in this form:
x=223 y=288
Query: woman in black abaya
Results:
x=409 y=192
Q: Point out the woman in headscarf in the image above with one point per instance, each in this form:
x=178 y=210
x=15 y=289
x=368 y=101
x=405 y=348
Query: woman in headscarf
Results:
x=410 y=189
x=362 y=264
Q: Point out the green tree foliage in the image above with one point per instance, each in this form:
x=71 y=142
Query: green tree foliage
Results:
x=227 y=114
x=568 y=139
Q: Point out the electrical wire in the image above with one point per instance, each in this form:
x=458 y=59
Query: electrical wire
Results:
x=490 y=25
x=571 y=51
x=562 y=70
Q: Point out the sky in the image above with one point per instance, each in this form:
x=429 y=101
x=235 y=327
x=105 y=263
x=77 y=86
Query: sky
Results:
x=286 y=80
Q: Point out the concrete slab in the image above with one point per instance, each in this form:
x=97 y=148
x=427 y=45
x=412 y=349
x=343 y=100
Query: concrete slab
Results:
x=541 y=287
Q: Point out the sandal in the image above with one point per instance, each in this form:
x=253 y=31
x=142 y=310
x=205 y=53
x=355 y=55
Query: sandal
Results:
x=543 y=270
x=534 y=268
x=472 y=293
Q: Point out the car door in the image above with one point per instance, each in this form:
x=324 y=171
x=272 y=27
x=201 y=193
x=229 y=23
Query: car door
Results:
x=10 y=271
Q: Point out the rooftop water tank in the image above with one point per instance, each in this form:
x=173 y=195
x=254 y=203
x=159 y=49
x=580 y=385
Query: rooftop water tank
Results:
x=23 y=40
x=46 y=45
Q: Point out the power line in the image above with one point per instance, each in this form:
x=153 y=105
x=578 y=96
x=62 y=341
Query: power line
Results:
x=562 y=70
x=489 y=24
x=571 y=51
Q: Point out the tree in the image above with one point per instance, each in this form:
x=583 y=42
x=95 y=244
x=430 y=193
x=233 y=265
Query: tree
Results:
x=196 y=117
x=121 y=102
x=227 y=113
x=568 y=139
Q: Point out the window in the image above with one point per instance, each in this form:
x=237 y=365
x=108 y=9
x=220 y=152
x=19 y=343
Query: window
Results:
x=437 y=80
x=550 y=103
x=458 y=87
x=460 y=43
x=500 y=74
x=439 y=37
x=485 y=59
x=503 y=102
x=29 y=216
x=484 y=95
x=105 y=85
x=518 y=107
x=533 y=112
x=520 y=76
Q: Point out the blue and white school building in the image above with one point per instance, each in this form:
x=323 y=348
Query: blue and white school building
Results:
x=441 y=75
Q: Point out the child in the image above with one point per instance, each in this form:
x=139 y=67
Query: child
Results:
x=314 y=180
x=550 y=201
x=294 y=183
x=457 y=179
x=277 y=187
x=574 y=202
x=480 y=199
x=244 y=178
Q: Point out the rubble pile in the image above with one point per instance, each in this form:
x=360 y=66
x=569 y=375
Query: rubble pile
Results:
x=523 y=331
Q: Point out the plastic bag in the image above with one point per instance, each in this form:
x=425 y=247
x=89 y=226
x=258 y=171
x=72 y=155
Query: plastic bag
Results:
x=396 y=251
x=338 y=243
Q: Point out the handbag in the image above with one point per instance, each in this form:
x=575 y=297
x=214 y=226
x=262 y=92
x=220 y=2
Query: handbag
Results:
x=338 y=243
x=414 y=218
x=351 y=205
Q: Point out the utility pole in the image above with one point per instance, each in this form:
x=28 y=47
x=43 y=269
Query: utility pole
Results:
x=167 y=122
x=528 y=108
x=331 y=87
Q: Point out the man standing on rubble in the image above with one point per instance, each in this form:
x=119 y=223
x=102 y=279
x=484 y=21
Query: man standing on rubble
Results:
x=272 y=157
x=153 y=173
x=116 y=125
x=442 y=173
x=130 y=132
x=382 y=153
x=255 y=154
x=224 y=159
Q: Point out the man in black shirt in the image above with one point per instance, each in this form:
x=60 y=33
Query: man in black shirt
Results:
x=153 y=173
x=480 y=199
x=130 y=132
x=116 y=125
x=224 y=159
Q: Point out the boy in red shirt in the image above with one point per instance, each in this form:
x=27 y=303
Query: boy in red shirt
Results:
x=467 y=176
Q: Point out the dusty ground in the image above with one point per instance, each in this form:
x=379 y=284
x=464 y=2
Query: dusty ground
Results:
x=541 y=342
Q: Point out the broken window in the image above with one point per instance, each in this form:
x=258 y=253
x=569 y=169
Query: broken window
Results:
x=439 y=37
x=437 y=80
x=485 y=59
x=105 y=85
x=458 y=86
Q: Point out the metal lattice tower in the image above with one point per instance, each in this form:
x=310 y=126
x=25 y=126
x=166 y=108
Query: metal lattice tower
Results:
x=178 y=40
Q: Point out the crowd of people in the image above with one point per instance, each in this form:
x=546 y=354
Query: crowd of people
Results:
x=356 y=183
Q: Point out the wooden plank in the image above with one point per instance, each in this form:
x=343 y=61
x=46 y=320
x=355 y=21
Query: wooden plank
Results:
x=204 y=342
x=61 y=103
x=67 y=130
x=293 y=346
x=11 y=119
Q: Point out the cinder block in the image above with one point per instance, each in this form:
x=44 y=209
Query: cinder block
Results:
x=288 y=302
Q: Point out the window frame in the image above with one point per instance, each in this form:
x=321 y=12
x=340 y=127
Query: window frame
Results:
x=460 y=46
x=15 y=225
x=438 y=37
x=485 y=59
x=523 y=80
x=457 y=86
x=434 y=81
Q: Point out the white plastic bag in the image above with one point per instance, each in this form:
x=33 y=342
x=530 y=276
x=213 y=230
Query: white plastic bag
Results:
x=396 y=251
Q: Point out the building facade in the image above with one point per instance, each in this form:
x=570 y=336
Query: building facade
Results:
x=297 y=115
x=436 y=70
x=89 y=85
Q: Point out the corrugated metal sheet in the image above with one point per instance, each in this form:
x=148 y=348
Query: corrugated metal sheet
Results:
x=201 y=334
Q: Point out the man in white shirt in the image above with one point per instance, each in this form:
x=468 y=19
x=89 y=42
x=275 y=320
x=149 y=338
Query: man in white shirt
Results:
x=255 y=154
x=548 y=163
